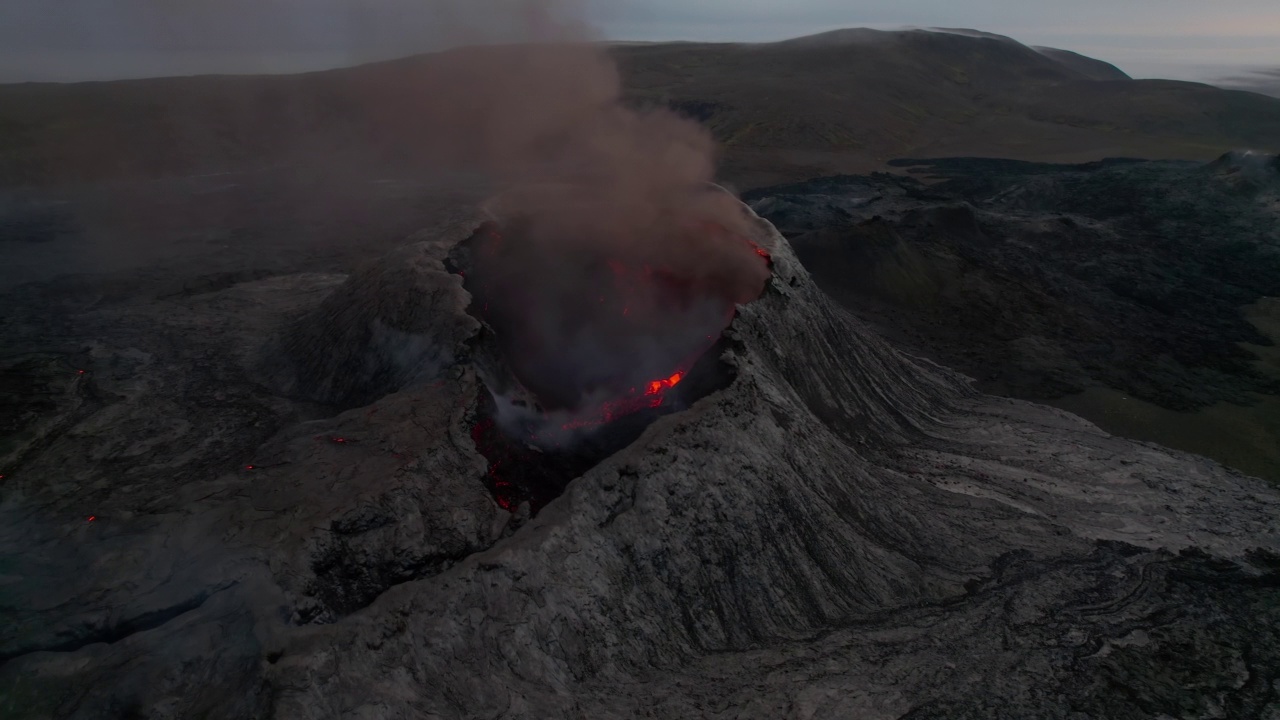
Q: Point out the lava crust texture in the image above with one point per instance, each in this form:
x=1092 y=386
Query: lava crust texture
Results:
x=841 y=532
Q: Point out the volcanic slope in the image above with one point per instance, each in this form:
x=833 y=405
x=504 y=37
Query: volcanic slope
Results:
x=846 y=101
x=841 y=531
x=1134 y=292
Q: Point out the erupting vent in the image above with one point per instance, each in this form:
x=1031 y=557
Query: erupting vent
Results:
x=589 y=347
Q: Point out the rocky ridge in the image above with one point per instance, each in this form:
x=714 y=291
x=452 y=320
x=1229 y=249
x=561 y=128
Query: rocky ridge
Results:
x=843 y=531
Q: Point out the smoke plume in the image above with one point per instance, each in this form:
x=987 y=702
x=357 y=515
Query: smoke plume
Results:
x=612 y=266
x=627 y=264
x=544 y=118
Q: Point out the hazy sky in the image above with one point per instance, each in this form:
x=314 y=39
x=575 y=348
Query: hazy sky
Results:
x=92 y=39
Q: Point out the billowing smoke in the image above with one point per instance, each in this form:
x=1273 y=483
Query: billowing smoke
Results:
x=611 y=267
x=616 y=266
x=593 y=332
x=544 y=118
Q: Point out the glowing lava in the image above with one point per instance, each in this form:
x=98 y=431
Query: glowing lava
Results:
x=630 y=404
x=597 y=338
x=657 y=386
x=592 y=324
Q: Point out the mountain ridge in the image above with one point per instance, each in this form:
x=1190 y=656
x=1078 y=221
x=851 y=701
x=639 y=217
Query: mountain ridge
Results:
x=846 y=101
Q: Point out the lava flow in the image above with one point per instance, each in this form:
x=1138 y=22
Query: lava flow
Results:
x=611 y=410
x=594 y=344
x=657 y=386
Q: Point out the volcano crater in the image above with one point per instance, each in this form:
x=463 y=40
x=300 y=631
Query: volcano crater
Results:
x=581 y=351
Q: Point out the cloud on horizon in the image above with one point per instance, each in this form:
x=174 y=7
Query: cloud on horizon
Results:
x=70 y=38
x=1266 y=82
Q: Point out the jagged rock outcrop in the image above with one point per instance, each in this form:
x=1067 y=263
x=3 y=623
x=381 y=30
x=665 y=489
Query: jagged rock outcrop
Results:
x=398 y=322
x=843 y=531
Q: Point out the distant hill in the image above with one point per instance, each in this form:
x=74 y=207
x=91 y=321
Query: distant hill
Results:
x=1087 y=66
x=850 y=100
x=846 y=101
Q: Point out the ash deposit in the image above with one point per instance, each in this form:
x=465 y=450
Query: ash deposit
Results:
x=838 y=530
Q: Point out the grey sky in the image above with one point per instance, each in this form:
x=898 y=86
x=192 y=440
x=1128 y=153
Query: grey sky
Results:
x=91 y=39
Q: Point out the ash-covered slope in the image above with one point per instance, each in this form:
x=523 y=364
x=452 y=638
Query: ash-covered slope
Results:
x=1139 y=268
x=1043 y=281
x=840 y=532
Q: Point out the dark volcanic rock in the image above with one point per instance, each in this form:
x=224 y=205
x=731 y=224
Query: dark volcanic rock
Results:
x=840 y=532
x=1041 y=280
x=394 y=323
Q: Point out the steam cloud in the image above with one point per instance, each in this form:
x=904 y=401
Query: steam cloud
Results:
x=528 y=98
x=589 y=186
x=544 y=119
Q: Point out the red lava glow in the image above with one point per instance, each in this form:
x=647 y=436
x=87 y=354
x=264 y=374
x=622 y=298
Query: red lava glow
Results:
x=338 y=439
x=630 y=404
x=657 y=386
x=715 y=229
x=590 y=320
x=633 y=402
x=92 y=518
x=504 y=492
x=597 y=332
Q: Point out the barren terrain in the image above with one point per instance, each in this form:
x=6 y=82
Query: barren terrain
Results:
x=244 y=470
x=847 y=101
x=1138 y=294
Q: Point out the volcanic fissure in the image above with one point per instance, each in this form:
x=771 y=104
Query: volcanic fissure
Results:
x=584 y=349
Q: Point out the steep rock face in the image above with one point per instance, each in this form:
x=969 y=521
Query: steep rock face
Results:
x=165 y=514
x=842 y=531
x=398 y=322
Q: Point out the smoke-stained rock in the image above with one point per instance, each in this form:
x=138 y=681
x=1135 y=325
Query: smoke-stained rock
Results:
x=398 y=321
